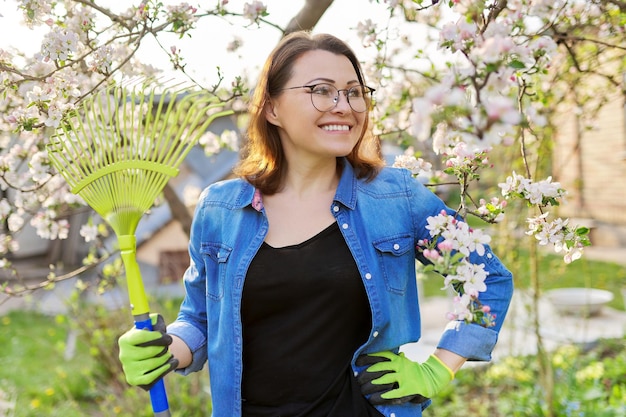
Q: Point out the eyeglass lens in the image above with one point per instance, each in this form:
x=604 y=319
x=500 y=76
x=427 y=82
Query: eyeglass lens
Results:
x=326 y=96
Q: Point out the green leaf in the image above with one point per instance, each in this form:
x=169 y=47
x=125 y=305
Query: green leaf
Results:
x=581 y=231
x=517 y=64
x=492 y=67
x=457 y=257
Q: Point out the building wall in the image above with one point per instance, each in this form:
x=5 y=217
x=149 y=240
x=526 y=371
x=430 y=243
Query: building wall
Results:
x=169 y=238
x=591 y=166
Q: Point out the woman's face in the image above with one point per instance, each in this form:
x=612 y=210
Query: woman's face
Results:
x=305 y=131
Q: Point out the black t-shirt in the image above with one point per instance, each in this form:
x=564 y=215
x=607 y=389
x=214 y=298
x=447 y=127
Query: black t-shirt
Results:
x=304 y=313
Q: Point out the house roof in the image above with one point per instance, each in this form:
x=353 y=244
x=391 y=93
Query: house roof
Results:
x=203 y=170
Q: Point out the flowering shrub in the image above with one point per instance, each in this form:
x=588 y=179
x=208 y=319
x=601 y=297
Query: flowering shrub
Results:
x=589 y=382
x=564 y=238
x=448 y=251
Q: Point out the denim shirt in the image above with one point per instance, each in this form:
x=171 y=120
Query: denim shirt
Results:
x=381 y=221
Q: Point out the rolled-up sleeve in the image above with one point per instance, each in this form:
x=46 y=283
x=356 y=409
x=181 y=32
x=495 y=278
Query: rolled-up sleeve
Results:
x=473 y=341
x=195 y=340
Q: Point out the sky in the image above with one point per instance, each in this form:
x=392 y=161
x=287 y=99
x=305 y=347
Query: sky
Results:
x=205 y=50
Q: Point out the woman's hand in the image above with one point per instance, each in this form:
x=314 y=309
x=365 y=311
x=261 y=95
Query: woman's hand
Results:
x=394 y=379
x=144 y=354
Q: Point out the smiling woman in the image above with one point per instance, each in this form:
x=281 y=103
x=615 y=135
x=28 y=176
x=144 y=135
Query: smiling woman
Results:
x=294 y=115
x=301 y=286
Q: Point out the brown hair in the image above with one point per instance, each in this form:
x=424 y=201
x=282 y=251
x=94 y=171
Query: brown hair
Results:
x=262 y=160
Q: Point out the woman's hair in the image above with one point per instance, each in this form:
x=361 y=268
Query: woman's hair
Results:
x=263 y=162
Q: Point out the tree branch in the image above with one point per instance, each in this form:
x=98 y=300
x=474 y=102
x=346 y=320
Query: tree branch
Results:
x=20 y=291
x=308 y=16
x=180 y=212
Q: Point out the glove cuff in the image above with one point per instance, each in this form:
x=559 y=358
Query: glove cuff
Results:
x=435 y=362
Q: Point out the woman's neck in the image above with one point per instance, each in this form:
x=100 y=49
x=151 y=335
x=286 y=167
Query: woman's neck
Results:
x=310 y=180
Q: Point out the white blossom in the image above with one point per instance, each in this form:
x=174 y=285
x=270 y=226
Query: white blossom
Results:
x=230 y=139
x=15 y=222
x=417 y=166
x=89 y=232
x=253 y=11
x=59 y=44
x=101 y=60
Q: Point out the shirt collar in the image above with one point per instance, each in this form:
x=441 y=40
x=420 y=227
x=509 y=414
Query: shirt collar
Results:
x=346 y=190
x=248 y=196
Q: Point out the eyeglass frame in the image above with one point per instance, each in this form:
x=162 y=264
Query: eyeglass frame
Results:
x=336 y=98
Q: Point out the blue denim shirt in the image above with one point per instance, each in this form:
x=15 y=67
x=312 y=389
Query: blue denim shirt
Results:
x=381 y=221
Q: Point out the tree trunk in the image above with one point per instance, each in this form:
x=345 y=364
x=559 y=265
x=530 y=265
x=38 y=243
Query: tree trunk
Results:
x=308 y=16
x=180 y=212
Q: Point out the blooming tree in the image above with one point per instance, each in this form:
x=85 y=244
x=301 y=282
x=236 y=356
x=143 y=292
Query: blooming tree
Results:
x=494 y=52
x=499 y=70
x=85 y=47
x=458 y=79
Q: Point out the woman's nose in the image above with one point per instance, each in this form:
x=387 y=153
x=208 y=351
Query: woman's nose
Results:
x=341 y=102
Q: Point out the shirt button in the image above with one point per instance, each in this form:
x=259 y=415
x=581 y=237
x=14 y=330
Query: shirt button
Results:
x=392 y=415
x=345 y=225
x=376 y=333
x=336 y=209
x=368 y=276
x=489 y=256
x=396 y=246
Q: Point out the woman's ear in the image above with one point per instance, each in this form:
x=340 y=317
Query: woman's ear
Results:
x=270 y=113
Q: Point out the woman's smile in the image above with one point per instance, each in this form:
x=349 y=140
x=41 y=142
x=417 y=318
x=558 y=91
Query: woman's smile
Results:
x=336 y=128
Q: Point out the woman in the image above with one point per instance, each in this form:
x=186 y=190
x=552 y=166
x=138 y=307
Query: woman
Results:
x=301 y=286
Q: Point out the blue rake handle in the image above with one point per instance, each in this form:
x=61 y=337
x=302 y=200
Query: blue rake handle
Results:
x=158 y=396
x=140 y=311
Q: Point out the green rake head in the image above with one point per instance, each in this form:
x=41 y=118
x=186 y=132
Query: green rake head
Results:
x=121 y=146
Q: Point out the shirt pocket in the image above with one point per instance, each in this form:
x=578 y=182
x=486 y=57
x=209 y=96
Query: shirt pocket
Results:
x=396 y=258
x=215 y=260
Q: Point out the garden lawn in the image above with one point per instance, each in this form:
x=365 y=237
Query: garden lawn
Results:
x=34 y=375
x=37 y=380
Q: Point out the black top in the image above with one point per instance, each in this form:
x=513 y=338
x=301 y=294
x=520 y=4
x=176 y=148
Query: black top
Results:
x=304 y=313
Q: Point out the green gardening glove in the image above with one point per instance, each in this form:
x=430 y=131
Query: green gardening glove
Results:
x=144 y=354
x=394 y=379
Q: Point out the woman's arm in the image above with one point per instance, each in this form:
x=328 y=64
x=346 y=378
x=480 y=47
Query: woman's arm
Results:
x=181 y=351
x=450 y=359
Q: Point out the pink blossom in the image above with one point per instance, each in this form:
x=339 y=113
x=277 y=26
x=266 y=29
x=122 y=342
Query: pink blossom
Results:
x=431 y=254
x=445 y=246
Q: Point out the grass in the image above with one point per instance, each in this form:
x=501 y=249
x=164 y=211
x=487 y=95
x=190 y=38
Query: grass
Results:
x=34 y=374
x=36 y=378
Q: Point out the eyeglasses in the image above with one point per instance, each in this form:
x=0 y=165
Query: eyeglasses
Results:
x=325 y=97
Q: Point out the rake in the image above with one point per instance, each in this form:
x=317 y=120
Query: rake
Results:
x=117 y=151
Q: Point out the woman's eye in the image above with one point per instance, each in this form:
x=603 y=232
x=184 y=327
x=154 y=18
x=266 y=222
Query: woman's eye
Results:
x=355 y=92
x=322 y=90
